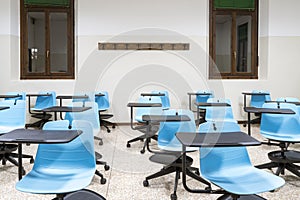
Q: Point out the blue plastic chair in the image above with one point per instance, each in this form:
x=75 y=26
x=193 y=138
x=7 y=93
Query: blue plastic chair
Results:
x=10 y=119
x=165 y=100
x=62 y=168
x=282 y=130
x=230 y=168
x=219 y=113
x=41 y=103
x=104 y=105
x=203 y=99
x=143 y=127
x=91 y=116
x=257 y=101
x=171 y=149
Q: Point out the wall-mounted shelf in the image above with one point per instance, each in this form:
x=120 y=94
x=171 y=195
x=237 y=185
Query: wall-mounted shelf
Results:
x=143 y=46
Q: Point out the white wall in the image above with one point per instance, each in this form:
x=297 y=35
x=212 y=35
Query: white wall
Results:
x=126 y=74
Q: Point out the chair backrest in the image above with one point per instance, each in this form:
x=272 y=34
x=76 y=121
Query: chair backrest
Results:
x=90 y=115
x=204 y=98
x=68 y=157
x=21 y=97
x=14 y=117
x=214 y=160
x=165 y=100
x=167 y=130
x=140 y=111
x=285 y=127
x=259 y=100
x=45 y=101
x=102 y=101
x=219 y=113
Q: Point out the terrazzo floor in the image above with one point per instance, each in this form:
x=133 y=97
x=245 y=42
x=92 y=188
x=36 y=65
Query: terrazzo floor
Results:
x=128 y=168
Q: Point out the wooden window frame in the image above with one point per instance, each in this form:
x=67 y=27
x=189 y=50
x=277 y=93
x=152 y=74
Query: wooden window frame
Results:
x=254 y=43
x=25 y=74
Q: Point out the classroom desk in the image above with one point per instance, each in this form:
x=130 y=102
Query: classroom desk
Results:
x=139 y=105
x=196 y=93
x=61 y=109
x=264 y=110
x=197 y=139
x=4 y=96
x=278 y=102
x=153 y=119
x=153 y=94
x=205 y=104
x=61 y=97
x=31 y=136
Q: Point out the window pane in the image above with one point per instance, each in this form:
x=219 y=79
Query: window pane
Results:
x=58 y=42
x=223 y=43
x=243 y=28
x=36 y=42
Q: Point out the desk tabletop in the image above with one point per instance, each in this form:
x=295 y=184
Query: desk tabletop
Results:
x=199 y=93
x=226 y=139
x=153 y=94
x=38 y=95
x=269 y=110
x=165 y=118
x=10 y=95
x=292 y=102
x=255 y=93
x=4 y=107
x=65 y=109
x=213 y=104
x=40 y=136
x=72 y=97
x=133 y=104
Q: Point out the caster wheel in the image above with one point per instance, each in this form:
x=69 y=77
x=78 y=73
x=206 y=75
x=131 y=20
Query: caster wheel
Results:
x=142 y=151
x=145 y=183
x=207 y=188
x=106 y=167
x=108 y=131
x=244 y=125
x=23 y=172
x=100 y=142
x=3 y=162
x=31 y=160
x=197 y=173
x=113 y=126
x=103 y=181
x=173 y=197
x=128 y=145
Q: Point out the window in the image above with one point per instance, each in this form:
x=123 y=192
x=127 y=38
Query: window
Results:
x=233 y=39
x=47 y=39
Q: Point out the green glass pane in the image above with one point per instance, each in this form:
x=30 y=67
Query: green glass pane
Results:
x=48 y=2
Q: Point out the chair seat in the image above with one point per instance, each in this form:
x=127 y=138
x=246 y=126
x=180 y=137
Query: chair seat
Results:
x=45 y=183
x=42 y=116
x=288 y=157
x=168 y=159
x=84 y=194
x=244 y=180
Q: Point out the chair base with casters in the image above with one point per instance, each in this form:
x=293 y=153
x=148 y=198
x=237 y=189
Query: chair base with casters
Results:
x=6 y=154
x=173 y=163
x=105 y=123
x=237 y=197
x=44 y=118
x=98 y=156
x=83 y=194
x=283 y=160
x=149 y=133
